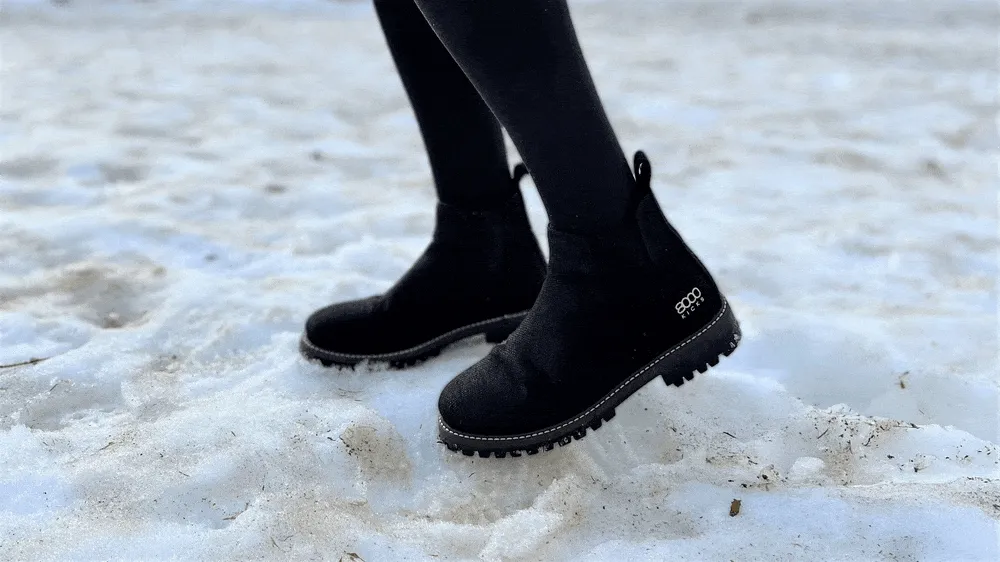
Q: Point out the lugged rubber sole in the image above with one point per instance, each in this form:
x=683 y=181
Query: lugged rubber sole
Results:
x=704 y=349
x=496 y=330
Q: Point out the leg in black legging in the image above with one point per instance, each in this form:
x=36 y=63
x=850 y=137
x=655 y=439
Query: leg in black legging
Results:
x=464 y=141
x=524 y=58
x=624 y=301
x=483 y=268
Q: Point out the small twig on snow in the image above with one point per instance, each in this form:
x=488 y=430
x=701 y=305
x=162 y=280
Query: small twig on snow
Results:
x=31 y=361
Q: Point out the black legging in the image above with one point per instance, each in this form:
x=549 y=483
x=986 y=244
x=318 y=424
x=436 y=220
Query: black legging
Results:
x=524 y=60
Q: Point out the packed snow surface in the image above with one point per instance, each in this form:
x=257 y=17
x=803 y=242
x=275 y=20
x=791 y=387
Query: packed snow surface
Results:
x=182 y=183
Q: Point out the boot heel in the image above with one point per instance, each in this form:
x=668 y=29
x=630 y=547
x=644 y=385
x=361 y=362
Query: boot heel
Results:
x=718 y=340
x=498 y=335
x=499 y=332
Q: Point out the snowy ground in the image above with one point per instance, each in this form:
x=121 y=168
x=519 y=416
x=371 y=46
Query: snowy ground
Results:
x=183 y=184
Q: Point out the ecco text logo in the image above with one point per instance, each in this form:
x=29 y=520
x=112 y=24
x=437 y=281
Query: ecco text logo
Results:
x=689 y=302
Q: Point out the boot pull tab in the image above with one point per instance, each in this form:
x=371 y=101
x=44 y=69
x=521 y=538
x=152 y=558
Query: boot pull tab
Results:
x=519 y=172
x=643 y=173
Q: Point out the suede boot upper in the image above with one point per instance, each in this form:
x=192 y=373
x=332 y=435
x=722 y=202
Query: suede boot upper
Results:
x=479 y=265
x=610 y=304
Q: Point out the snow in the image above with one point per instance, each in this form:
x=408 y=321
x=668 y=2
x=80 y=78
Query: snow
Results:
x=182 y=183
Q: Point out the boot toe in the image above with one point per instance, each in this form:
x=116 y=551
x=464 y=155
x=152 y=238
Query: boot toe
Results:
x=342 y=327
x=485 y=400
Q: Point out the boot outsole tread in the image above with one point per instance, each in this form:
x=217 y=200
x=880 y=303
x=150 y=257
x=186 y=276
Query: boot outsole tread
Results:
x=724 y=342
x=495 y=330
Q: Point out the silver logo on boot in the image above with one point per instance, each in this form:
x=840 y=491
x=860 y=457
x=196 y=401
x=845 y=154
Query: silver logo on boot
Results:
x=689 y=302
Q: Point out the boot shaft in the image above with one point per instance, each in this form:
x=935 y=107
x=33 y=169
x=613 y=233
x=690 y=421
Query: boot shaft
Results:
x=644 y=253
x=493 y=251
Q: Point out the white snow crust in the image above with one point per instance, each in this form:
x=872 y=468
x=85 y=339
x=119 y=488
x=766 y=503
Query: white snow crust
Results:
x=181 y=183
